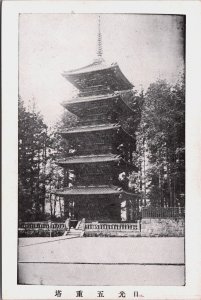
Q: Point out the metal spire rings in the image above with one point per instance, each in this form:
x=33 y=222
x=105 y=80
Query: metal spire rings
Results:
x=99 y=47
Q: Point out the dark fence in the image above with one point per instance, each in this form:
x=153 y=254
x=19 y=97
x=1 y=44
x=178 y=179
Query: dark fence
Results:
x=163 y=212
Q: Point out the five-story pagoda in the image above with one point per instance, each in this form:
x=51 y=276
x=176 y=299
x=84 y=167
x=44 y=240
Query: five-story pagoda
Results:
x=102 y=150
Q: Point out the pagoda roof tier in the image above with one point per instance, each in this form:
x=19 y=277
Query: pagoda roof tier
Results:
x=94 y=159
x=89 y=159
x=91 y=98
x=98 y=76
x=92 y=190
x=95 y=128
x=83 y=106
x=90 y=128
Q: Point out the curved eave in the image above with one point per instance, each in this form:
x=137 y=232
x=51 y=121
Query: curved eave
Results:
x=93 y=190
x=90 y=99
x=123 y=77
x=74 y=104
x=90 y=159
x=115 y=161
x=96 y=128
x=89 y=190
x=104 y=73
x=96 y=65
x=128 y=108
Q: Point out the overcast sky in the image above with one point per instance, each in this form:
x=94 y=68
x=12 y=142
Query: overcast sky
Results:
x=146 y=47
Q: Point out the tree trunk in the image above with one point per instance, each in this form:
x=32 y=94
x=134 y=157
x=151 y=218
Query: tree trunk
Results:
x=169 y=187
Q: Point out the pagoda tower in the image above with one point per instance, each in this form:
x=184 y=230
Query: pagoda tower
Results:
x=100 y=150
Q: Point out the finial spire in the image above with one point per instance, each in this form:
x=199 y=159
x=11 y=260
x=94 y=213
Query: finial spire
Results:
x=99 y=46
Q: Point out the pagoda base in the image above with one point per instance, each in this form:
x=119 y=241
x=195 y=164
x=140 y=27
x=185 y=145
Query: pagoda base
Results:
x=93 y=208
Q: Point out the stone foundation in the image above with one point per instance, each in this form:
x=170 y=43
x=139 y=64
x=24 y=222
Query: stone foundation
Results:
x=112 y=233
x=162 y=227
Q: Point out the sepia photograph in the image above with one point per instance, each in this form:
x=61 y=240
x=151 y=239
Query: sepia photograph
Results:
x=101 y=150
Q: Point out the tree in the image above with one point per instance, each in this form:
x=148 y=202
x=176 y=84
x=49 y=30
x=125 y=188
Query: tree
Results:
x=162 y=139
x=56 y=177
x=32 y=157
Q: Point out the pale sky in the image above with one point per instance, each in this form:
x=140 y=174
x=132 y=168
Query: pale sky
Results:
x=146 y=47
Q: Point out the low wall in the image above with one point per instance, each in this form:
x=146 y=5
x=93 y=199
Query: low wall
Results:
x=40 y=232
x=162 y=227
x=112 y=229
x=91 y=233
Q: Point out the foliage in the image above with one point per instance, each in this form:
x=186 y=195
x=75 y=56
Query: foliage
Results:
x=32 y=158
x=38 y=173
x=161 y=144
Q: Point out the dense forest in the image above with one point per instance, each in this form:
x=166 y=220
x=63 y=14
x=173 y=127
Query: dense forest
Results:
x=159 y=156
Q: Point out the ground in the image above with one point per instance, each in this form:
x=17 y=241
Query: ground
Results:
x=101 y=261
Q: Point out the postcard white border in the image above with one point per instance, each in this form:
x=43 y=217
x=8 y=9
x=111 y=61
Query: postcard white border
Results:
x=10 y=11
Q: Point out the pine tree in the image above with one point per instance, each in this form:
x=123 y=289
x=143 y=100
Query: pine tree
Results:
x=162 y=139
x=32 y=146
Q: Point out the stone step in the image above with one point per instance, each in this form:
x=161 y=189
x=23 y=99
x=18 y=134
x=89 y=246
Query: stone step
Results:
x=75 y=232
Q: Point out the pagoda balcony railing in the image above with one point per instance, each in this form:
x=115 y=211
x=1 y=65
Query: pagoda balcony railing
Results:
x=163 y=212
x=112 y=226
